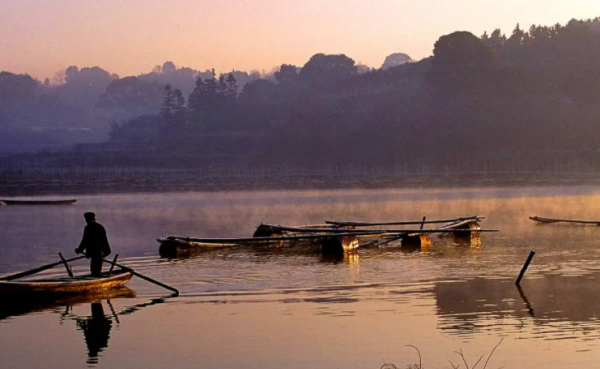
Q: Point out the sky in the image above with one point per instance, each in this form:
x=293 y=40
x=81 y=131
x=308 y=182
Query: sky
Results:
x=129 y=37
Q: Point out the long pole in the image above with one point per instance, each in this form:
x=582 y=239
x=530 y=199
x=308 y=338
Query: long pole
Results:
x=367 y=224
x=175 y=290
x=37 y=270
x=529 y=258
x=381 y=232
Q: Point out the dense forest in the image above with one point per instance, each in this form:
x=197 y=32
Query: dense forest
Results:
x=491 y=100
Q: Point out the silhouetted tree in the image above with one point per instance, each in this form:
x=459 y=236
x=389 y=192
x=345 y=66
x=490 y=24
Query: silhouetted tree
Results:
x=326 y=71
x=16 y=86
x=83 y=87
x=495 y=41
x=395 y=60
x=133 y=96
x=173 y=112
x=59 y=78
x=168 y=103
x=287 y=74
x=460 y=61
x=231 y=91
x=168 y=67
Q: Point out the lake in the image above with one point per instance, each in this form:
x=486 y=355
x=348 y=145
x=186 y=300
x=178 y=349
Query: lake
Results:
x=289 y=307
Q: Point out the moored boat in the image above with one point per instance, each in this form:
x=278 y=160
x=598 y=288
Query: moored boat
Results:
x=330 y=242
x=557 y=220
x=38 y=201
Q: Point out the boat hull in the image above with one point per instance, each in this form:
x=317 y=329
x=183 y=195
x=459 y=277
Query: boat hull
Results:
x=177 y=246
x=572 y=221
x=38 y=202
x=66 y=286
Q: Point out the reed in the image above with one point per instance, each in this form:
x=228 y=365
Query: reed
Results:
x=460 y=353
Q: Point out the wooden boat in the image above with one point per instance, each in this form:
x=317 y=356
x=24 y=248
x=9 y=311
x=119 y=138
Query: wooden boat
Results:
x=175 y=245
x=38 y=202
x=331 y=242
x=72 y=285
x=574 y=221
x=65 y=286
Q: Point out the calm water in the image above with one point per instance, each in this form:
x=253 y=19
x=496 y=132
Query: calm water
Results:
x=273 y=308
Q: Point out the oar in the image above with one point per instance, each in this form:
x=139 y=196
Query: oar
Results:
x=37 y=270
x=127 y=269
x=69 y=271
x=113 y=265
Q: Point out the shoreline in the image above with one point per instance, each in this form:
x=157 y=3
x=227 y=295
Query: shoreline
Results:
x=40 y=185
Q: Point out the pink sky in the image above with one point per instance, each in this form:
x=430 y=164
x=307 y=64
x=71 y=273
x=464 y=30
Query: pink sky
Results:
x=129 y=37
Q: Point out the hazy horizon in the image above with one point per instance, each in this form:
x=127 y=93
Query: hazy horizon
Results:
x=43 y=37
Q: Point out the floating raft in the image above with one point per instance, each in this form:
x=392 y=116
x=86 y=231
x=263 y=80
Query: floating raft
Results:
x=554 y=220
x=270 y=230
x=38 y=202
x=452 y=221
x=332 y=239
x=461 y=227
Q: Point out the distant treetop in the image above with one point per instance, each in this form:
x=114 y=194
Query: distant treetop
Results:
x=396 y=59
x=323 y=69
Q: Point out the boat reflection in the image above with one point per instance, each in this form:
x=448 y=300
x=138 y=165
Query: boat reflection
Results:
x=570 y=303
x=96 y=330
x=96 y=327
x=30 y=305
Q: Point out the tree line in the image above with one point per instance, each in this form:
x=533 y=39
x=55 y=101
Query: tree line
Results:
x=490 y=100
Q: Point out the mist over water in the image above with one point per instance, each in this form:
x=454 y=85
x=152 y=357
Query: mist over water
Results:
x=268 y=307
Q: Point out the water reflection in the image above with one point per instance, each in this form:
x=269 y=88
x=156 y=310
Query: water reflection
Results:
x=554 y=305
x=96 y=330
x=349 y=258
x=24 y=306
x=96 y=327
x=473 y=240
x=526 y=301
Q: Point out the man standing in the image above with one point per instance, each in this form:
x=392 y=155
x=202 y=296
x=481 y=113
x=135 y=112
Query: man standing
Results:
x=94 y=243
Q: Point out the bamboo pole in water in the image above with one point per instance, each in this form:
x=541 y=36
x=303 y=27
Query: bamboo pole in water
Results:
x=527 y=262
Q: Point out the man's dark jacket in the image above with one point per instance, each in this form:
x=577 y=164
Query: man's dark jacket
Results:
x=94 y=241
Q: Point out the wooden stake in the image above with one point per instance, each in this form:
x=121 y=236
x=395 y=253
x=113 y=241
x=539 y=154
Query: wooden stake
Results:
x=529 y=258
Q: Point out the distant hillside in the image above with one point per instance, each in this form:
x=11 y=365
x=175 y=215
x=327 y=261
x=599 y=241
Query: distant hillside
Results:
x=491 y=101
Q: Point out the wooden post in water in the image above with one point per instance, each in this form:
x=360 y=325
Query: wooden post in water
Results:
x=529 y=258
